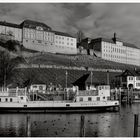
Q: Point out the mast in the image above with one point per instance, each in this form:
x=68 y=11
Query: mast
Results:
x=107 y=77
x=91 y=74
x=66 y=82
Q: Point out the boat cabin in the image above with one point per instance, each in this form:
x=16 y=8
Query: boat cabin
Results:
x=41 y=88
x=102 y=93
x=13 y=95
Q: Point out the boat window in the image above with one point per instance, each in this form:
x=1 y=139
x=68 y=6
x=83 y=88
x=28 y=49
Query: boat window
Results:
x=11 y=99
x=89 y=98
x=98 y=98
x=81 y=99
x=40 y=88
x=6 y=99
x=104 y=97
x=0 y=99
x=67 y=104
x=21 y=98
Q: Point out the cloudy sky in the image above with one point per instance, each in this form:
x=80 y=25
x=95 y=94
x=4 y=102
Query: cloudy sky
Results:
x=95 y=20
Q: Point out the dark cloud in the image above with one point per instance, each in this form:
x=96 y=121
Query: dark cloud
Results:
x=92 y=18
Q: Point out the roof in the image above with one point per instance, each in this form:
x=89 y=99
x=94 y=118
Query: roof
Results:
x=33 y=24
x=129 y=73
x=94 y=80
x=81 y=80
x=111 y=41
x=63 y=34
x=9 y=24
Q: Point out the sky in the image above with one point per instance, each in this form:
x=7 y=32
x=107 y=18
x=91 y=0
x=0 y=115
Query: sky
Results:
x=93 y=19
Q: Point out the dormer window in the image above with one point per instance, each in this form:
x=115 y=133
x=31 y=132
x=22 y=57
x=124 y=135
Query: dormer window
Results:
x=39 y=28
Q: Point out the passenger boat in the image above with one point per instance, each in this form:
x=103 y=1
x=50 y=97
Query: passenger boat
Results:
x=84 y=101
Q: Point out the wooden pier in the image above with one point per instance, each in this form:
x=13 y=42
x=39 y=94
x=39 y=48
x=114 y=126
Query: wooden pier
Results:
x=125 y=95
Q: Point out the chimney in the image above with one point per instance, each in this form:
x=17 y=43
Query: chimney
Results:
x=114 y=38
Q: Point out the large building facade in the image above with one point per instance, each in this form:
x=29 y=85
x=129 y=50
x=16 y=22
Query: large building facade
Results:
x=40 y=37
x=116 y=50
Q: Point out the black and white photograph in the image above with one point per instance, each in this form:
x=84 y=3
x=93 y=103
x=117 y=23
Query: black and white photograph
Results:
x=69 y=69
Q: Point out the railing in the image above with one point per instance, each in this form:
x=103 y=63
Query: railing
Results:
x=14 y=91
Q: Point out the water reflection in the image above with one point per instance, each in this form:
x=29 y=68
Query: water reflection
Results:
x=107 y=124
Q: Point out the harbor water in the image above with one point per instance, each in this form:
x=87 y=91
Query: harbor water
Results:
x=98 y=124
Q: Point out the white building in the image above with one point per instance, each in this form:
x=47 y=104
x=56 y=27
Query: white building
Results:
x=11 y=30
x=116 y=50
x=130 y=79
x=39 y=37
x=65 y=43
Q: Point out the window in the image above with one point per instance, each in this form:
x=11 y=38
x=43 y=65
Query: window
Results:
x=137 y=78
x=89 y=98
x=0 y=99
x=138 y=84
x=39 y=41
x=108 y=98
x=103 y=97
x=6 y=99
x=11 y=99
x=40 y=88
x=21 y=98
x=81 y=99
x=98 y=98
x=131 y=78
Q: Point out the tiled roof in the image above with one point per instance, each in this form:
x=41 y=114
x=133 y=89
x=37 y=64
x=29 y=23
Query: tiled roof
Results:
x=63 y=34
x=111 y=41
x=9 y=24
x=33 y=24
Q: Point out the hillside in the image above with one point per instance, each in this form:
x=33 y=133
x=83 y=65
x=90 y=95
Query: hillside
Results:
x=26 y=76
x=75 y=65
x=84 y=61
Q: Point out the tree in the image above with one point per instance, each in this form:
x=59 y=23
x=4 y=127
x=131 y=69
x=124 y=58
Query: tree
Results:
x=13 y=45
x=80 y=36
x=7 y=66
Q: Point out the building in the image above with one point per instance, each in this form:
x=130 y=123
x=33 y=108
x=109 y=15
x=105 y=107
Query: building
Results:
x=10 y=30
x=83 y=47
x=130 y=79
x=116 y=50
x=38 y=36
x=65 y=43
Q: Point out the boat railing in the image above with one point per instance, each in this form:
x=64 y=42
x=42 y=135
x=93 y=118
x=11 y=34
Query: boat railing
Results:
x=88 y=92
x=15 y=91
x=41 y=102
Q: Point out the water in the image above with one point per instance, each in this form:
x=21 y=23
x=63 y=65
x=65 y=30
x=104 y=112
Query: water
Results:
x=101 y=124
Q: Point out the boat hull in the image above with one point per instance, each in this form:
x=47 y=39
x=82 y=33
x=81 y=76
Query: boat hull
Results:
x=58 y=107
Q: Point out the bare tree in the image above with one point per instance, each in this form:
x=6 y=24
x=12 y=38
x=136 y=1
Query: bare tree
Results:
x=7 y=66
